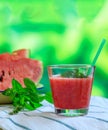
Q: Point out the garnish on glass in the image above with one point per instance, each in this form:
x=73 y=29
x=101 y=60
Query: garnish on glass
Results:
x=74 y=74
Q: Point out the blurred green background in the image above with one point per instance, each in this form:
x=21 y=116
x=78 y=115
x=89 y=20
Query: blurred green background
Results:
x=58 y=32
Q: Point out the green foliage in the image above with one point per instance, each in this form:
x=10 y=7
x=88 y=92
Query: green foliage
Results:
x=57 y=32
x=39 y=27
x=92 y=8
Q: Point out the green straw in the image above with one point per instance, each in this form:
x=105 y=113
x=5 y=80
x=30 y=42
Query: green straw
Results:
x=98 y=52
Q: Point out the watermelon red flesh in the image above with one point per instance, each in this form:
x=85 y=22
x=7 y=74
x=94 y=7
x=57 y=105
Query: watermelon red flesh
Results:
x=18 y=68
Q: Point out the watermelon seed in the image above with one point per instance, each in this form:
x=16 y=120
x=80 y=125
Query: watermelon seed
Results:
x=9 y=73
x=3 y=73
x=1 y=77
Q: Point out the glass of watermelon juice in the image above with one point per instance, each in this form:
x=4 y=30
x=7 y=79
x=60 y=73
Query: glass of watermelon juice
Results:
x=71 y=87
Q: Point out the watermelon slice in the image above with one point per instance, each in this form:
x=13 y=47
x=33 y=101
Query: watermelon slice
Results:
x=19 y=66
x=22 y=53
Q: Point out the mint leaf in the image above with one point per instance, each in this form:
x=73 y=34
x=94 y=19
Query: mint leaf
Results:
x=30 y=85
x=74 y=74
x=31 y=90
x=7 y=92
x=16 y=85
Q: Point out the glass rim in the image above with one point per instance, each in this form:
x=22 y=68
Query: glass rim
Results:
x=71 y=66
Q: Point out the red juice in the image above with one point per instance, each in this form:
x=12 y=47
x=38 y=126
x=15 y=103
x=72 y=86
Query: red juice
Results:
x=71 y=93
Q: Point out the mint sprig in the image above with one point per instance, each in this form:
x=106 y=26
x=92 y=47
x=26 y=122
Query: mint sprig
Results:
x=26 y=97
x=74 y=74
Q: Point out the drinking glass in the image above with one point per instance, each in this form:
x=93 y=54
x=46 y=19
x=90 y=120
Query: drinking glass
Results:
x=71 y=86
